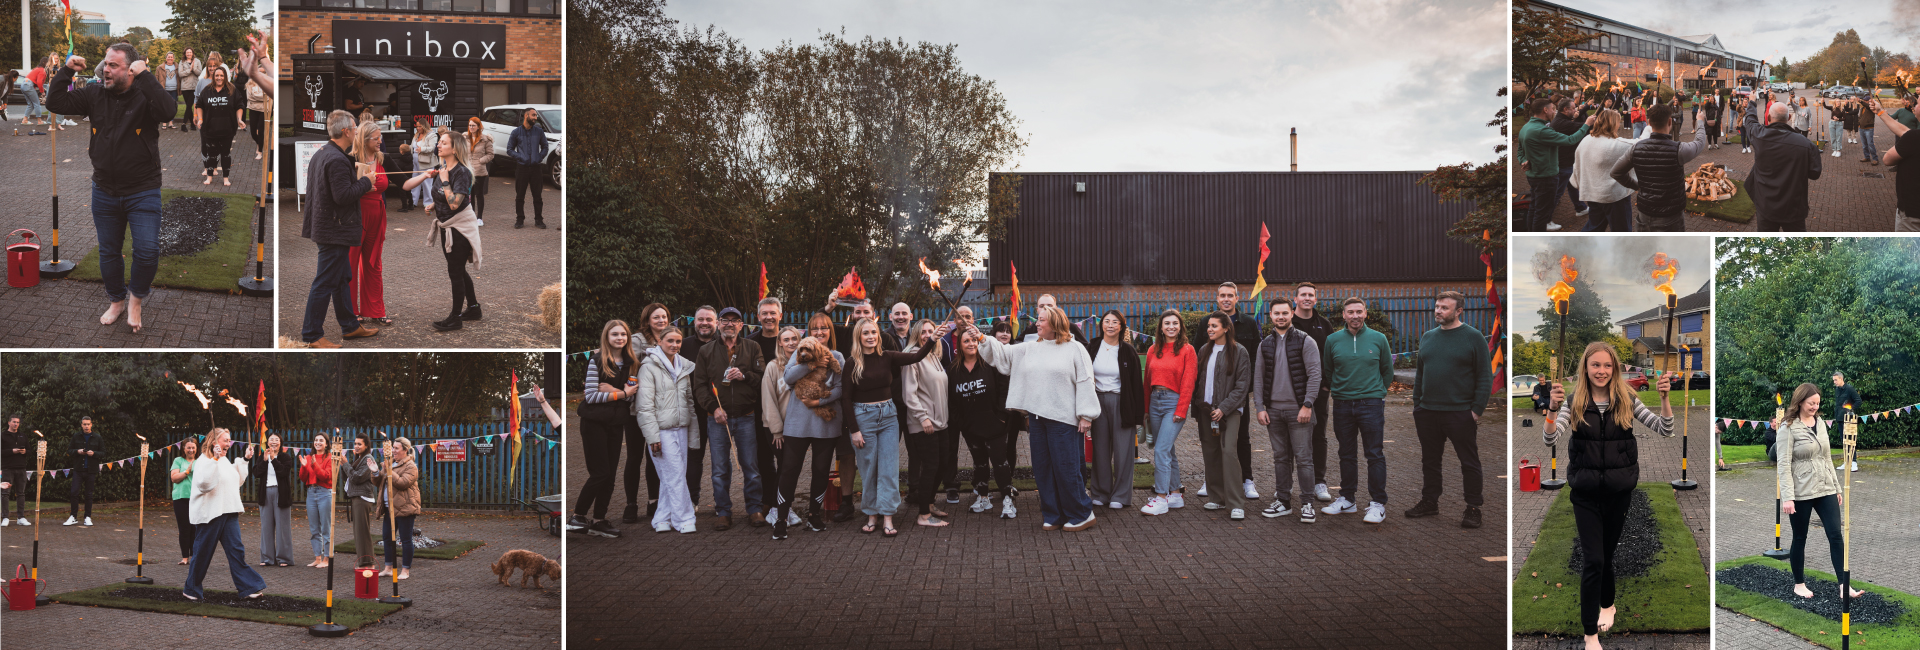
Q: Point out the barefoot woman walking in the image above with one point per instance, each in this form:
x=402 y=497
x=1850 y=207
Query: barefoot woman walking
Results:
x=1808 y=484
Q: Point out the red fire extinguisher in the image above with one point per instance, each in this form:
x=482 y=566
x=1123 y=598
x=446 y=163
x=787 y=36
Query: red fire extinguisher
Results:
x=23 y=260
x=22 y=591
x=366 y=583
x=1529 y=476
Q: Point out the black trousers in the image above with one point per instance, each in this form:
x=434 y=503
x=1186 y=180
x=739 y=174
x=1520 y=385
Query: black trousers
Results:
x=1829 y=509
x=257 y=127
x=528 y=178
x=1436 y=429
x=950 y=459
x=600 y=443
x=1779 y=226
x=990 y=458
x=792 y=452
x=768 y=460
x=216 y=152
x=923 y=468
x=81 y=490
x=1012 y=447
x=18 y=479
x=1599 y=518
x=1245 y=448
x=186 y=97
x=457 y=272
x=182 y=521
x=479 y=197
x=1319 y=441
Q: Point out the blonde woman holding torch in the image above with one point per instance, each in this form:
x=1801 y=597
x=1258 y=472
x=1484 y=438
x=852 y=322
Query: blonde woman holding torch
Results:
x=215 y=509
x=1051 y=379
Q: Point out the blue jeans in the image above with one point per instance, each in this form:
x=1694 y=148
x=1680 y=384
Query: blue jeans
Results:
x=1866 y=145
x=32 y=94
x=1638 y=129
x=1616 y=216
x=1834 y=135
x=879 y=460
x=319 y=517
x=737 y=434
x=1567 y=188
x=1160 y=420
x=113 y=216
x=224 y=530
x=1546 y=197
x=1057 y=451
x=332 y=283
x=406 y=540
x=1366 y=418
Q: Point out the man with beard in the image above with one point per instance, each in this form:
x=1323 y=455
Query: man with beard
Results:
x=768 y=313
x=726 y=390
x=1317 y=327
x=1360 y=367
x=1655 y=168
x=1452 y=379
x=86 y=467
x=1247 y=334
x=18 y=447
x=1286 y=378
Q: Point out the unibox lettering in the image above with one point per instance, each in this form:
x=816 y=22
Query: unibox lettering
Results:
x=485 y=45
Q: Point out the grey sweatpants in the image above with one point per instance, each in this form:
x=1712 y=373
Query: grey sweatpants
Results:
x=1219 y=448
x=276 y=529
x=1292 y=442
x=1112 y=455
x=362 y=515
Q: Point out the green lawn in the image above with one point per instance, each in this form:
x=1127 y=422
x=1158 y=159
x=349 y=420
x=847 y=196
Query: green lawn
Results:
x=1672 y=597
x=1758 y=453
x=1903 y=633
x=215 y=268
x=351 y=612
x=1738 y=209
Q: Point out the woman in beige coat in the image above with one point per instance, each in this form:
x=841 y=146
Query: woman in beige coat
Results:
x=1807 y=483
x=189 y=77
x=665 y=413
x=403 y=488
x=480 y=156
x=923 y=387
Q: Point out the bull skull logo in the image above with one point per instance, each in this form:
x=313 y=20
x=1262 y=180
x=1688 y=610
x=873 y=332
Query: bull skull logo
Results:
x=433 y=96
x=314 y=86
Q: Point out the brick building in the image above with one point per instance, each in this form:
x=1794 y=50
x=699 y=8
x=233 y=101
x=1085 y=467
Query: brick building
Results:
x=1693 y=318
x=423 y=57
x=1625 y=53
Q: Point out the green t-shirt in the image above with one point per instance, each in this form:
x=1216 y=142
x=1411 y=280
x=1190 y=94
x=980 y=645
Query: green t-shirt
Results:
x=183 y=489
x=1907 y=118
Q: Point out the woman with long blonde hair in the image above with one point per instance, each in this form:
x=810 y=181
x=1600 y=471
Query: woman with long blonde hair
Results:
x=1808 y=484
x=367 y=260
x=607 y=416
x=874 y=428
x=1609 y=204
x=215 y=511
x=455 y=227
x=1603 y=467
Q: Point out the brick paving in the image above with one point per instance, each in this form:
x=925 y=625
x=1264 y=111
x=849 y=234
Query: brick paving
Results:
x=1659 y=461
x=517 y=264
x=1190 y=578
x=1882 y=530
x=65 y=313
x=456 y=603
x=1844 y=199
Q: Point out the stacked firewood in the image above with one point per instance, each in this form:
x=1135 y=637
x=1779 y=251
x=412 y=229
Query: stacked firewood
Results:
x=1709 y=183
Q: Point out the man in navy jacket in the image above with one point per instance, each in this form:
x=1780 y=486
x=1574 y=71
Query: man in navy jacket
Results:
x=528 y=146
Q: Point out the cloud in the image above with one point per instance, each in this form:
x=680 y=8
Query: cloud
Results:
x=1771 y=29
x=1612 y=264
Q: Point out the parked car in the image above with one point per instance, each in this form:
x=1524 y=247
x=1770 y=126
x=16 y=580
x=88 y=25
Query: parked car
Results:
x=1699 y=380
x=1743 y=91
x=1522 y=386
x=1636 y=379
x=499 y=121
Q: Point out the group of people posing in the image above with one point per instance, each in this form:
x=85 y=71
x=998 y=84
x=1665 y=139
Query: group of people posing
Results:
x=855 y=393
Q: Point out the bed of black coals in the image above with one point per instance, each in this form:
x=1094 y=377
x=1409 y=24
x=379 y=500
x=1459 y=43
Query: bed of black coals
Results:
x=1639 y=542
x=1777 y=583
x=267 y=603
x=189 y=224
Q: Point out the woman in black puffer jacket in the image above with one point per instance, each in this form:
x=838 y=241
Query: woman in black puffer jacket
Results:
x=1603 y=467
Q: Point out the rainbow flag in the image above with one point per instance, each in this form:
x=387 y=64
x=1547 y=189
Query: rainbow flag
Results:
x=1260 y=277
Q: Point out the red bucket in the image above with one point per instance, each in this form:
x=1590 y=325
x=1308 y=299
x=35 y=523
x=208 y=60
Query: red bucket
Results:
x=22 y=591
x=1529 y=476
x=366 y=583
x=23 y=260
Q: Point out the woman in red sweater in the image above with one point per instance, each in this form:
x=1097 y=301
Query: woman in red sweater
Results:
x=1171 y=370
x=316 y=472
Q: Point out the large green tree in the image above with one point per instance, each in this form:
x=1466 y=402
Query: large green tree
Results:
x=1540 y=57
x=1588 y=320
x=1484 y=185
x=209 y=25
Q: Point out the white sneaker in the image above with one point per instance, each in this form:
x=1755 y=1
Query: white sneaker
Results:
x=1007 y=511
x=1203 y=490
x=24 y=522
x=5 y=522
x=69 y=123
x=1176 y=500
x=1553 y=227
x=1843 y=466
x=793 y=518
x=1320 y=492
x=1339 y=506
x=1155 y=506
x=1306 y=514
x=89 y=521
x=1237 y=514
x=1212 y=506
x=1278 y=509
x=1082 y=524
x=70 y=521
x=1376 y=512
x=982 y=503
x=1582 y=212
x=1251 y=492
x=1114 y=505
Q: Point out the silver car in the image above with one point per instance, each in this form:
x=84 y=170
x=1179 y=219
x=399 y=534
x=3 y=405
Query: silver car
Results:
x=500 y=121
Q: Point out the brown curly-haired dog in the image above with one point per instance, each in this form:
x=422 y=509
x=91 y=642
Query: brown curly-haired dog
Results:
x=530 y=564
x=814 y=353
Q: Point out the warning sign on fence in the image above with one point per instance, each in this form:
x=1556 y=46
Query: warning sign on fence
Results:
x=449 y=451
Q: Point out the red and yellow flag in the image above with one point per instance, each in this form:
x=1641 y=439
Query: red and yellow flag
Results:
x=763 y=280
x=1260 y=276
x=1014 y=315
x=260 y=411
x=513 y=422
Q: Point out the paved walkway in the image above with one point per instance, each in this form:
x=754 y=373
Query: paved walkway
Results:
x=517 y=265
x=456 y=603
x=1659 y=461
x=1187 y=579
x=65 y=313
x=1847 y=197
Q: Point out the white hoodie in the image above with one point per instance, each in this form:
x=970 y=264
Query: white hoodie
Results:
x=216 y=488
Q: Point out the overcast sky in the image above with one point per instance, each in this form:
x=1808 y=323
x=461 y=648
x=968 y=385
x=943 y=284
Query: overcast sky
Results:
x=1613 y=265
x=125 y=14
x=1129 y=85
x=1770 y=29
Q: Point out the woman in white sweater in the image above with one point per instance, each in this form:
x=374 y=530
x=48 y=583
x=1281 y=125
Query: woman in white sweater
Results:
x=215 y=511
x=664 y=410
x=923 y=386
x=1609 y=204
x=1051 y=381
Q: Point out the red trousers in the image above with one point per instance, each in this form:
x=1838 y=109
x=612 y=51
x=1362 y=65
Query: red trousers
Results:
x=369 y=296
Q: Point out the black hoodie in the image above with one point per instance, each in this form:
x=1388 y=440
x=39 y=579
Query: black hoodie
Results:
x=124 y=127
x=22 y=440
x=977 y=398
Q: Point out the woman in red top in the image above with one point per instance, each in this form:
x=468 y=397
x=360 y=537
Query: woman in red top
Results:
x=369 y=296
x=316 y=472
x=1171 y=364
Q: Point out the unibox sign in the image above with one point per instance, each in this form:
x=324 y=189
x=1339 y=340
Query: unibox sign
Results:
x=485 y=45
x=315 y=98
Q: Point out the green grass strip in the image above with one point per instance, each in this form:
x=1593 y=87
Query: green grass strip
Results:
x=215 y=268
x=449 y=549
x=1738 y=209
x=1672 y=597
x=351 y=612
x=1902 y=633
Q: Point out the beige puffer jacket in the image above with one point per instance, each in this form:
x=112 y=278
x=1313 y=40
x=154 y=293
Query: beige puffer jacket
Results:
x=1805 y=470
x=666 y=397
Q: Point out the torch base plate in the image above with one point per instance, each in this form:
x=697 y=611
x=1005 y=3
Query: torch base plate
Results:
x=1552 y=484
x=1777 y=553
x=56 y=270
x=42 y=601
x=402 y=601
x=140 y=580
x=1685 y=485
x=261 y=288
x=328 y=630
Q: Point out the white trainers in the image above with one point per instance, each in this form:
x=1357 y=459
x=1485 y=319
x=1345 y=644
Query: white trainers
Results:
x=1212 y=505
x=981 y=503
x=71 y=521
x=1237 y=514
x=24 y=522
x=1553 y=227
x=1251 y=492
x=1278 y=509
x=1114 y=505
x=1339 y=506
x=1582 y=213
x=1306 y=513
x=793 y=518
x=1082 y=524
x=1007 y=511
x=1176 y=501
x=1320 y=492
x=1836 y=153
x=1376 y=512
x=1203 y=490
x=5 y=522
x=89 y=521
x=1155 y=506
x=1843 y=466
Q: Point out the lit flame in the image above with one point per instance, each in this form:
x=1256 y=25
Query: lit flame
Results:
x=237 y=404
x=37 y=433
x=933 y=279
x=141 y=437
x=1562 y=291
x=1776 y=399
x=1664 y=268
x=205 y=403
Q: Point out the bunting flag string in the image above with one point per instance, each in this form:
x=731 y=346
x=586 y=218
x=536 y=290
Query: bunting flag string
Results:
x=418 y=450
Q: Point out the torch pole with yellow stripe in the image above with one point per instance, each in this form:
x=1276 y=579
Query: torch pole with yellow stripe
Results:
x=1779 y=420
x=1686 y=412
x=330 y=629
x=140 y=542
x=259 y=283
x=1851 y=435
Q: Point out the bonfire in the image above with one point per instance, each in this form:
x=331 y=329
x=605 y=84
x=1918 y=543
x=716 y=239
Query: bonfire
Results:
x=1709 y=183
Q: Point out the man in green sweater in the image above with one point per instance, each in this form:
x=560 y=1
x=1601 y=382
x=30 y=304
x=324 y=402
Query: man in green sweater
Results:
x=1359 y=366
x=1540 y=158
x=1452 y=379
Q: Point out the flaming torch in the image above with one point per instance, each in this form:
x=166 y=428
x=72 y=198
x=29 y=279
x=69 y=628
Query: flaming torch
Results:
x=329 y=629
x=1660 y=270
x=1779 y=420
x=206 y=403
x=1544 y=263
x=933 y=280
x=242 y=408
x=140 y=541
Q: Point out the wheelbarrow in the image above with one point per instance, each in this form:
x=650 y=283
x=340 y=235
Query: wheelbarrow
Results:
x=551 y=505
